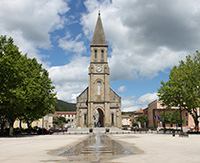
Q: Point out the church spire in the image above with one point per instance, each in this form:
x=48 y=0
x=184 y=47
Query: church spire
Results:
x=99 y=36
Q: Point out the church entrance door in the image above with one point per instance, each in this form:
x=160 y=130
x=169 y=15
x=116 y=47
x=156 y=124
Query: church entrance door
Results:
x=98 y=118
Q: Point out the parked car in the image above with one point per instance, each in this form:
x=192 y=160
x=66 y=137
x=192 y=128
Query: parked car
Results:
x=43 y=131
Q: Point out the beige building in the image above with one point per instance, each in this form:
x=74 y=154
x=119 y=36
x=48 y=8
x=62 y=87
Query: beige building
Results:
x=98 y=104
x=126 y=121
x=45 y=122
x=70 y=116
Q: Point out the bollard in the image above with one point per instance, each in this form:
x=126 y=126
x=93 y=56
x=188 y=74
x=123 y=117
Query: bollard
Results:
x=173 y=133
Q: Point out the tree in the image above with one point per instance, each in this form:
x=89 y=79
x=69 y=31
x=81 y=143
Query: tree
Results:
x=39 y=95
x=26 y=91
x=191 y=86
x=166 y=117
x=171 y=92
x=134 y=124
x=182 y=89
x=171 y=117
x=60 y=121
x=142 y=119
x=175 y=118
x=12 y=99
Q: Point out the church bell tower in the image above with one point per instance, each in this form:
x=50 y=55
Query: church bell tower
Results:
x=98 y=105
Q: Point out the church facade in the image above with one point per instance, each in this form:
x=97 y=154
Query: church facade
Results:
x=98 y=105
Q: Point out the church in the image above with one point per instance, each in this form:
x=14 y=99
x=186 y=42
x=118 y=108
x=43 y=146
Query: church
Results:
x=98 y=105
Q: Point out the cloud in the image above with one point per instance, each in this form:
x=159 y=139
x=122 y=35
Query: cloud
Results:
x=133 y=104
x=30 y=22
x=71 y=45
x=70 y=79
x=122 y=89
x=146 y=37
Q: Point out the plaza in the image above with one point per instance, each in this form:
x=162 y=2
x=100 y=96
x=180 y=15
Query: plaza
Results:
x=148 y=148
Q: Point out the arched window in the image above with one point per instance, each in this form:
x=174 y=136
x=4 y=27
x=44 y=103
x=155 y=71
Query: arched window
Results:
x=98 y=88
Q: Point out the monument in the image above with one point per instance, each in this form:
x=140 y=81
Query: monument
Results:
x=98 y=105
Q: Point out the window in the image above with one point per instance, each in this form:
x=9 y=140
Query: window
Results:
x=102 y=54
x=98 y=88
x=186 y=114
x=95 y=54
x=186 y=122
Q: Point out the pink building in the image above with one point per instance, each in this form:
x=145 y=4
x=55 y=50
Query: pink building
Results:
x=156 y=107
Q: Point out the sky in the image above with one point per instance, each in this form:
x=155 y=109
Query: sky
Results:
x=145 y=40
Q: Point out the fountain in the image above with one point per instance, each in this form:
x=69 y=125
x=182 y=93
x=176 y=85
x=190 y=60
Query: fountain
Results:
x=95 y=148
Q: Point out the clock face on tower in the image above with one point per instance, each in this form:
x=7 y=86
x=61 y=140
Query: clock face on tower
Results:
x=99 y=69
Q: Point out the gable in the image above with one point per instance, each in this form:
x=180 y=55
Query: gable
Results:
x=83 y=97
x=114 y=97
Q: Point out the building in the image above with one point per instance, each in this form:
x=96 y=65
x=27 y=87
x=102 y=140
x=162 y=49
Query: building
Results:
x=126 y=121
x=70 y=116
x=98 y=104
x=45 y=122
x=156 y=107
x=136 y=114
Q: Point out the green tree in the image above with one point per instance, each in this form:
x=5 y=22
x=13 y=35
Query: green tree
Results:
x=26 y=91
x=171 y=92
x=39 y=93
x=142 y=119
x=60 y=121
x=166 y=117
x=171 y=117
x=182 y=89
x=175 y=118
x=134 y=124
x=12 y=95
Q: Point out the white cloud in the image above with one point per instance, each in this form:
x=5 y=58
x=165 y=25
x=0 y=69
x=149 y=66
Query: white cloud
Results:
x=71 y=45
x=122 y=89
x=70 y=79
x=133 y=104
x=146 y=36
x=30 y=22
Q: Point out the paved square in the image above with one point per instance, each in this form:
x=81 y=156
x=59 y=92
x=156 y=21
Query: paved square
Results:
x=151 y=147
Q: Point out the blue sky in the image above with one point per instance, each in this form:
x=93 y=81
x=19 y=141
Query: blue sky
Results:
x=146 y=39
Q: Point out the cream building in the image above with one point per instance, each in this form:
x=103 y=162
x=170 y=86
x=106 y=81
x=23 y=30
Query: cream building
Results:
x=70 y=116
x=45 y=122
x=98 y=104
x=126 y=121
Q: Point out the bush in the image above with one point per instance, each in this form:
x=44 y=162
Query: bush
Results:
x=134 y=124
